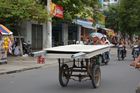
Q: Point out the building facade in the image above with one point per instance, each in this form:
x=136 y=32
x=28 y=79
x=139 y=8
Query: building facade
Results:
x=35 y=34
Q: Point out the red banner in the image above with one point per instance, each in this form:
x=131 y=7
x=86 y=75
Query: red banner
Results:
x=57 y=10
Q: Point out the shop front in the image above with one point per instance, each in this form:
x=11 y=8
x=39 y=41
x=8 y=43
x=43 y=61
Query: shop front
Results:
x=57 y=34
x=72 y=33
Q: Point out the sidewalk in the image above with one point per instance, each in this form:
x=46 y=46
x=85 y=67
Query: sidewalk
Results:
x=18 y=64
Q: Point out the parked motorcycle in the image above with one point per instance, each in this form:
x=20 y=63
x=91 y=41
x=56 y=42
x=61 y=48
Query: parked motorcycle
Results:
x=135 y=51
x=26 y=48
x=121 y=52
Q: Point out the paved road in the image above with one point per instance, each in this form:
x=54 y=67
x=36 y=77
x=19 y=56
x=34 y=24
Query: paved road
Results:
x=117 y=77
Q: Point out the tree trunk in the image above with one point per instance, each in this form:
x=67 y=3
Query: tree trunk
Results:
x=19 y=35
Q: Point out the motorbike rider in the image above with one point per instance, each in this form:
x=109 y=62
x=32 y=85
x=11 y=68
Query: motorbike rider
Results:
x=123 y=44
x=87 y=41
x=137 y=42
x=104 y=41
x=95 y=41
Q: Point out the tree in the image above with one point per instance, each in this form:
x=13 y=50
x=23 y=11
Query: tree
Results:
x=78 y=9
x=112 y=17
x=124 y=17
x=129 y=16
x=14 y=12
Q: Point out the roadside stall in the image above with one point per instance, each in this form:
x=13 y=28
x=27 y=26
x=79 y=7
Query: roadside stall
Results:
x=6 y=37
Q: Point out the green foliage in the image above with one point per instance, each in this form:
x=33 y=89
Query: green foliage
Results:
x=78 y=8
x=21 y=10
x=130 y=16
x=112 y=17
x=125 y=16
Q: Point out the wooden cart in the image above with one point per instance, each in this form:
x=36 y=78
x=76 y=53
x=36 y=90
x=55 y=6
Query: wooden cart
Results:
x=78 y=62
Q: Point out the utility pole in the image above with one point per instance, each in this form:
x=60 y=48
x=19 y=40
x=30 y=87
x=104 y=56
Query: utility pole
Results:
x=49 y=26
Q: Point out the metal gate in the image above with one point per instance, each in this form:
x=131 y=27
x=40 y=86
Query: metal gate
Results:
x=37 y=37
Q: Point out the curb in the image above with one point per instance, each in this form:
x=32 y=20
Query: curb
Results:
x=26 y=68
x=20 y=70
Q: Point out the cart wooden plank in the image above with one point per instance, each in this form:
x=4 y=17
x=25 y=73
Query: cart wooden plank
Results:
x=69 y=51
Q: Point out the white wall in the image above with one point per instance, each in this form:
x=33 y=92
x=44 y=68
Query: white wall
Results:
x=25 y=31
x=29 y=32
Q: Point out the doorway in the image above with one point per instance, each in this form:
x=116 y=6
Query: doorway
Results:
x=37 y=37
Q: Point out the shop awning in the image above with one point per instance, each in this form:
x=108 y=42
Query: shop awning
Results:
x=83 y=23
x=4 y=30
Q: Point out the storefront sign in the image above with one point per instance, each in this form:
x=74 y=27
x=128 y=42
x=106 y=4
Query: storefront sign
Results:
x=56 y=10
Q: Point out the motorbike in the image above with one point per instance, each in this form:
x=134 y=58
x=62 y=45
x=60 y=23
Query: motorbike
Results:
x=26 y=48
x=121 y=52
x=104 y=58
x=135 y=51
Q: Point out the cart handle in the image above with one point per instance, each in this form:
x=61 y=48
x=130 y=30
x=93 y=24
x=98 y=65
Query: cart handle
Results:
x=38 y=53
x=78 y=55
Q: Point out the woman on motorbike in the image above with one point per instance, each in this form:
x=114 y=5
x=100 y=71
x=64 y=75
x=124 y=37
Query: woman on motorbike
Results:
x=105 y=55
x=104 y=41
x=137 y=41
x=136 y=45
x=122 y=44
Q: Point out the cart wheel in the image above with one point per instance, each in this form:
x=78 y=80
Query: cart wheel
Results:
x=64 y=75
x=96 y=76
